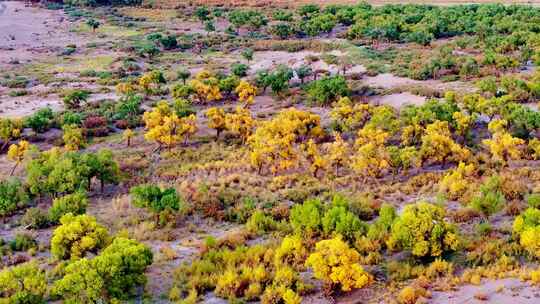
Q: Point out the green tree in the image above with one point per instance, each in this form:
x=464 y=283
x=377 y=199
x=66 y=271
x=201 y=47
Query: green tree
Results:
x=328 y=89
x=23 y=284
x=422 y=229
x=76 y=236
x=74 y=203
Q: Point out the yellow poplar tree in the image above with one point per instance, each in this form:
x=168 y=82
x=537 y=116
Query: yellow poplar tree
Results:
x=9 y=130
x=240 y=122
x=127 y=136
x=338 y=152
x=73 y=137
x=166 y=128
x=438 y=145
x=16 y=153
x=348 y=115
x=216 y=120
x=371 y=156
x=503 y=146
x=246 y=93
x=337 y=265
x=274 y=141
x=313 y=155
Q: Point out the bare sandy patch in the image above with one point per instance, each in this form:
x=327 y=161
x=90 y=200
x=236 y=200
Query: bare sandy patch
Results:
x=496 y=291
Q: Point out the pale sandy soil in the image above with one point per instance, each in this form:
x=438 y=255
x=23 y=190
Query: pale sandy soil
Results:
x=399 y=100
x=511 y=291
x=30 y=32
x=390 y=81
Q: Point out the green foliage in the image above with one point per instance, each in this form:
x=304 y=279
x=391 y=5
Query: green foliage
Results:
x=25 y=284
x=35 y=218
x=422 y=229
x=490 y=198
x=12 y=196
x=239 y=69
x=74 y=203
x=306 y=218
x=41 y=120
x=169 y=42
x=22 y=242
x=113 y=274
x=323 y=23
x=128 y=108
x=533 y=200
x=76 y=236
x=328 y=89
x=260 y=223
x=341 y=221
x=54 y=172
x=155 y=199
x=380 y=229
x=74 y=98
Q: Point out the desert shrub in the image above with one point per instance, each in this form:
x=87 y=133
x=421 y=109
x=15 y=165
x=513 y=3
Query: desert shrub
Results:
x=41 y=120
x=12 y=196
x=328 y=89
x=169 y=42
x=95 y=125
x=76 y=236
x=74 y=203
x=112 y=275
x=336 y=264
x=25 y=283
x=526 y=229
x=260 y=223
x=73 y=137
x=306 y=218
x=490 y=198
x=380 y=229
x=343 y=222
x=533 y=200
x=422 y=229
x=291 y=251
x=35 y=218
x=22 y=242
x=128 y=109
x=74 y=98
x=239 y=69
x=71 y=118
x=154 y=198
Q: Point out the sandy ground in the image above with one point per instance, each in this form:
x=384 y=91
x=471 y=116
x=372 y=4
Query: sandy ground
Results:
x=503 y=291
x=26 y=32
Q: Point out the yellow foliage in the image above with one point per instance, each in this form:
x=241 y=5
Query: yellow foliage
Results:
x=127 y=135
x=73 y=137
x=348 y=115
x=504 y=146
x=125 y=88
x=206 y=90
x=338 y=152
x=274 y=141
x=16 y=152
x=408 y=295
x=216 y=119
x=336 y=263
x=463 y=122
x=371 y=156
x=240 y=122
x=313 y=155
x=534 y=148
x=438 y=145
x=456 y=182
x=246 y=92
x=166 y=128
